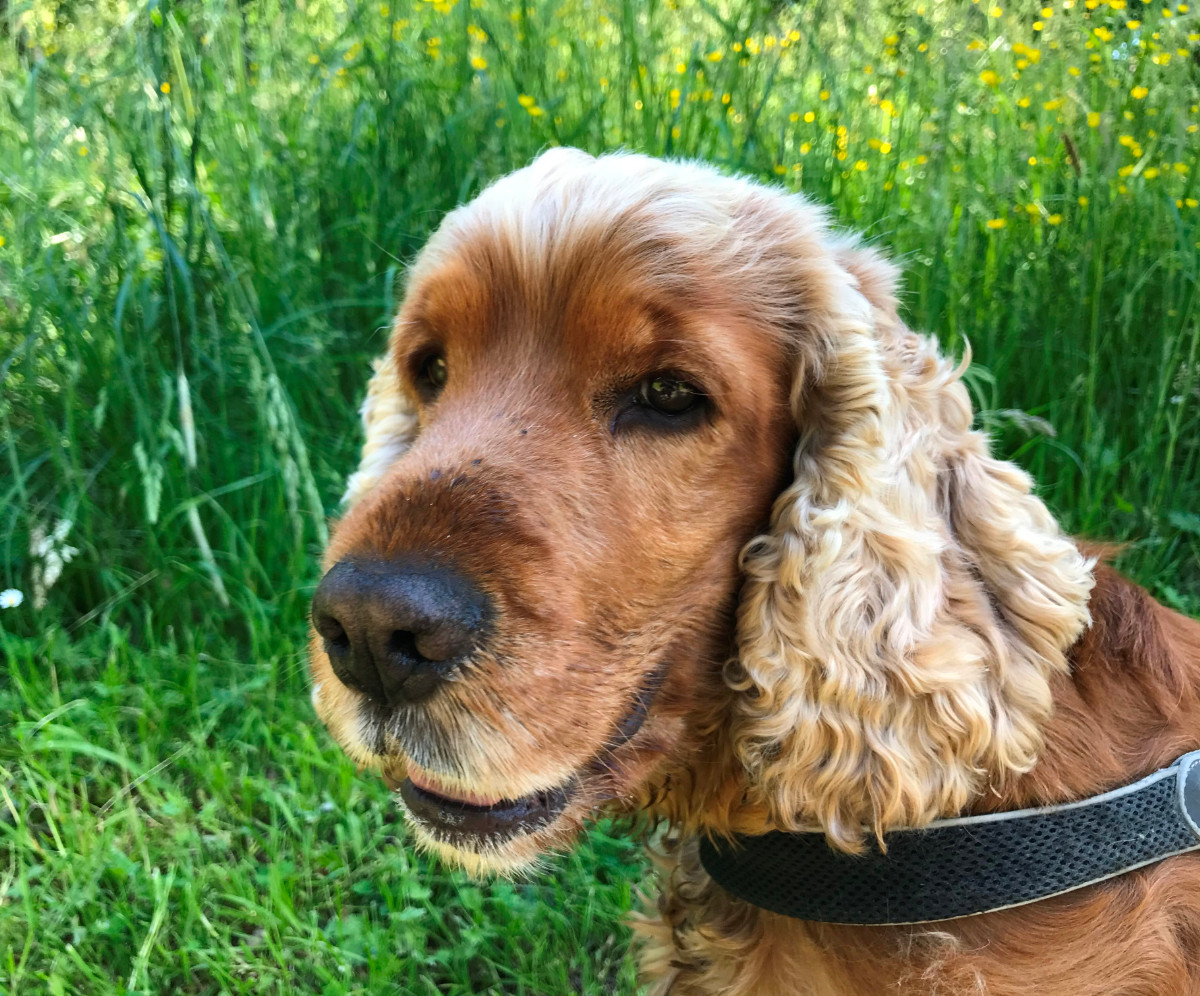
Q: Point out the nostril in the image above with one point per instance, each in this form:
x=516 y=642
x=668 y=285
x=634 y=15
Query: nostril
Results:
x=332 y=632
x=403 y=644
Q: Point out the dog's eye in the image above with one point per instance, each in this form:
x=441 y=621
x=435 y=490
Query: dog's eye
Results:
x=669 y=395
x=662 y=402
x=432 y=373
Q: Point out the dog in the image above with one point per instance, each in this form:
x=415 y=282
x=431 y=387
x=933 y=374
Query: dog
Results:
x=663 y=510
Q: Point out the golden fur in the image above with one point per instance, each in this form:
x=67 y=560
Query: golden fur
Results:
x=866 y=621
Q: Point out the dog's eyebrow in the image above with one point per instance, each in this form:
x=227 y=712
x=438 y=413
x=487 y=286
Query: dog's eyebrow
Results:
x=668 y=339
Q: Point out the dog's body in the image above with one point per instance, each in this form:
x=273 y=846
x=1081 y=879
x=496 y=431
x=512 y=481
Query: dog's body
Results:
x=606 y=377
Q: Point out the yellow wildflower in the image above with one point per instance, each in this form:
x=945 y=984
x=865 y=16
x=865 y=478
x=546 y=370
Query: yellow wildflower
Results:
x=1022 y=101
x=989 y=77
x=83 y=150
x=1139 y=92
x=1180 y=167
x=805 y=148
x=886 y=147
x=1093 y=119
x=1191 y=202
x=891 y=40
x=794 y=117
x=314 y=59
x=1133 y=25
x=1038 y=25
x=996 y=223
x=780 y=169
x=1083 y=201
x=975 y=45
x=479 y=62
x=715 y=56
x=1033 y=160
x=526 y=101
x=1055 y=104
x=2 y=241
x=922 y=47
x=861 y=165
x=922 y=159
x=1150 y=172
x=1054 y=219
x=809 y=117
x=824 y=95
x=995 y=11
x=1102 y=33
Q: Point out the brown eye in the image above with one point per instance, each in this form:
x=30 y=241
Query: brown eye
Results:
x=669 y=395
x=432 y=373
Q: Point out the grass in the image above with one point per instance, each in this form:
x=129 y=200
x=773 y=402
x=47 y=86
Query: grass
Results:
x=205 y=211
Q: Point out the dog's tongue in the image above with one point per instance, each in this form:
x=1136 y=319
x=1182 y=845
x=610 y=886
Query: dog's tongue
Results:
x=430 y=783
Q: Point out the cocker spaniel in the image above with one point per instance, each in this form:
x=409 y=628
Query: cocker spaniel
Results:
x=662 y=509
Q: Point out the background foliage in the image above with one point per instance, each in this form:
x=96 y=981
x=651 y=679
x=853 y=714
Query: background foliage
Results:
x=204 y=212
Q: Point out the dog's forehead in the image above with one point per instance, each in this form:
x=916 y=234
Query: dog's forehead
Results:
x=549 y=277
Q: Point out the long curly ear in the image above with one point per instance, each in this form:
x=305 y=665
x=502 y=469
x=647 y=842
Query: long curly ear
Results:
x=901 y=621
x=390 y=425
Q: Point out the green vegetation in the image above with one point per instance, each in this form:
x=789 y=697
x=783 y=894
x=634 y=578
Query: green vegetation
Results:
x=204 y=212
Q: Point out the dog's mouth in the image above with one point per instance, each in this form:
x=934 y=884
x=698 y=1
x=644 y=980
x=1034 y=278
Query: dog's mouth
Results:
x=465 y=819
x=469 y=820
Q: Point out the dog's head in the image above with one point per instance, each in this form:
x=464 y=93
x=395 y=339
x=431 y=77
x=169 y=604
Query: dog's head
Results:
x=662 y=506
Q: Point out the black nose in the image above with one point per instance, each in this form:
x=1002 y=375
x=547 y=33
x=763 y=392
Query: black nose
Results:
x=395 y=631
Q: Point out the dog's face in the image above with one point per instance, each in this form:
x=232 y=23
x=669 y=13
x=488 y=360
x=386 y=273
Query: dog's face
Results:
x=607 y=375
x=519 y=617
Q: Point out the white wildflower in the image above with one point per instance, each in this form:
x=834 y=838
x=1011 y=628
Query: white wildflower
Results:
x=11 y=598
x=51 y=554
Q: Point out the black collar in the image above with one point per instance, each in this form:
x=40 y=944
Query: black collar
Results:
x=961 y=867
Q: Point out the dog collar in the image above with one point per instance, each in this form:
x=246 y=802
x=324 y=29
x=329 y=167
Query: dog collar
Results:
x=966 y=866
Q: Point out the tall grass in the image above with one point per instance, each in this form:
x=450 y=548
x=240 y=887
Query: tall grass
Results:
x=206 y=210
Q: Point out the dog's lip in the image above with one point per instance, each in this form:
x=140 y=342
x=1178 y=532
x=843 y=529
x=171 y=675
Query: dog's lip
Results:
x=432 y=785
x=460 y=816
x=459 y=820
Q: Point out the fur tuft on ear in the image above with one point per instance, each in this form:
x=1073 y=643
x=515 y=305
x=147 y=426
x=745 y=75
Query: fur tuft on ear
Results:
x=390 y=425
x=901 y=621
